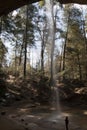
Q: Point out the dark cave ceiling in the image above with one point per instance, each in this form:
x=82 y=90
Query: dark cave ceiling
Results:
x=7 y=6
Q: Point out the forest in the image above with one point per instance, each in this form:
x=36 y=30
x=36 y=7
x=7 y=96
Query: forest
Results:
x=43 y=53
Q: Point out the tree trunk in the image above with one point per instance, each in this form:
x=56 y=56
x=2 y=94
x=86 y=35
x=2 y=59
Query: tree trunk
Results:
x=80 y=70
x=64 y=49
x=25 y=45
x=16 y=59
x=20 y=58
x=42 y=57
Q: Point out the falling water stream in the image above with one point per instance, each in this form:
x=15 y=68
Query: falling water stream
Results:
x=51 y=41
x=51 y=37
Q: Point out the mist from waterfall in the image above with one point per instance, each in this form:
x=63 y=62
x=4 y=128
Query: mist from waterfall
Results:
x=51 y=37
x=51 y=45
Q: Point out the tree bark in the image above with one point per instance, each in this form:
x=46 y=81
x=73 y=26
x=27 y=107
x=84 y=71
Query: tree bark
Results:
x=25 y=45
x=80 y=70
x=42 y=57
x=64 y=49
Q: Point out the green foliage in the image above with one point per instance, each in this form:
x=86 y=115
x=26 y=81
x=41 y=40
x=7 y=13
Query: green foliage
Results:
x=44 y=90
x=41 y=3
x=75 y=45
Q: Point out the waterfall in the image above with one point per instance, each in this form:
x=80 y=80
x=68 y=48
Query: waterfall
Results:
x=51 y=44
x=51 y=37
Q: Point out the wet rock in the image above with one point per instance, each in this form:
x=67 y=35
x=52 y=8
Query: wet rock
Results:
x=33 y=126
x=26 y=123
x=22 y=120
x=3 y=113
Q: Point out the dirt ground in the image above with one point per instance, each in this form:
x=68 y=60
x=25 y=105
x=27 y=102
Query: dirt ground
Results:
x=26 y=116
